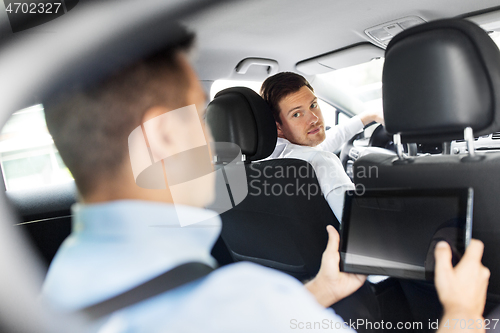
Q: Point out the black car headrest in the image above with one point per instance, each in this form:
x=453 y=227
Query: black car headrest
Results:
x=439 y=78
x=239 y=115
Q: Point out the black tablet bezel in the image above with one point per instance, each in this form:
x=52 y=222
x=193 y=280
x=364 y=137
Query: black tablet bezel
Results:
x=465 y=196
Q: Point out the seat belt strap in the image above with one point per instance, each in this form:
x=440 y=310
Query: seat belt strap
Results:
x=169 y=280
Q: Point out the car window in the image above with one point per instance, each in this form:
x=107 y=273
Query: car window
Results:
x=28 y=156
x=495 y=35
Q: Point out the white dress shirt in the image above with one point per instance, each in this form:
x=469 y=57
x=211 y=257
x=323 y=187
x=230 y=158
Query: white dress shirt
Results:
x=331 y=175
x=118 y=245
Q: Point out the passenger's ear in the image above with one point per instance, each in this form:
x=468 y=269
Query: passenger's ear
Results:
x=176 y=137
x=159 y=132
x=170 y=132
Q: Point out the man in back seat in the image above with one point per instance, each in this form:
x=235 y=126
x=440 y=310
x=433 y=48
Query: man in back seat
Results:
x=124 y=235
x=302 y=134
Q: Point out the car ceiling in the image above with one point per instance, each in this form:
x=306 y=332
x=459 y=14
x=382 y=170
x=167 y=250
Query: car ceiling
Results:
x=293 y=30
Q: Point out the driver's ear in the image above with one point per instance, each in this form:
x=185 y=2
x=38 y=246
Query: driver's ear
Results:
x=280 y=132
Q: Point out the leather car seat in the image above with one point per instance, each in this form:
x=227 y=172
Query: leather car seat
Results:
x=269 y=227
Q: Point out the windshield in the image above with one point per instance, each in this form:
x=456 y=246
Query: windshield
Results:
x=357 y=88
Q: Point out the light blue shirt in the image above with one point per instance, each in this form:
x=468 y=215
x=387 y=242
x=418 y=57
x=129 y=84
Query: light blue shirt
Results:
x=118 y=245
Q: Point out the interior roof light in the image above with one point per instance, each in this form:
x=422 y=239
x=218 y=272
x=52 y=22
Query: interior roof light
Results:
x=382 y=34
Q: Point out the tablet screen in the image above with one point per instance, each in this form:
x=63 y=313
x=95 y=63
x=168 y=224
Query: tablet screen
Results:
x=394 y=232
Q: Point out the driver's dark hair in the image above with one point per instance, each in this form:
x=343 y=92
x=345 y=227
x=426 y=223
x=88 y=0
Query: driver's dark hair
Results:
x=90 y=125
x=279 y=86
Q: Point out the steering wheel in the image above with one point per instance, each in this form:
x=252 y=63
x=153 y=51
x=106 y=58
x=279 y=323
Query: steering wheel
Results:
x=380 y=139
x=344 y=153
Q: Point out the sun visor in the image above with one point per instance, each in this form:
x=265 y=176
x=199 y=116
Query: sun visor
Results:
x=347 y=57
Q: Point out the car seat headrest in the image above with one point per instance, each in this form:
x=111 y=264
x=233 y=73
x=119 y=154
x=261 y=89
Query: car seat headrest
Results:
x=438 y=79
x=239 y=115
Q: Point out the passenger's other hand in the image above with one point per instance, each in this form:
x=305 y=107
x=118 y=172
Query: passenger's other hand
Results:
x=331 y=285
x=461 y=290
x=372 y=115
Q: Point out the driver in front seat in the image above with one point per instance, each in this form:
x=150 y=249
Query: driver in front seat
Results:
x=302 y=134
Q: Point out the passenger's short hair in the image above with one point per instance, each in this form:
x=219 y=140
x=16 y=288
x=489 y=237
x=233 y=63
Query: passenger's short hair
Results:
x=279 y=86
x=90 y=125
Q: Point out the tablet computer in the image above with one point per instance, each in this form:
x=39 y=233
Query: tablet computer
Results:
x=394 y=231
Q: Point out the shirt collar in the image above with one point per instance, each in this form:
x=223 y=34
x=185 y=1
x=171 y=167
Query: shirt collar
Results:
x=281 y=144
x=136 y=218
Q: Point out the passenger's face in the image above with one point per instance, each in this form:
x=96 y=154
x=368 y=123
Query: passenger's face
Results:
x=302 y=121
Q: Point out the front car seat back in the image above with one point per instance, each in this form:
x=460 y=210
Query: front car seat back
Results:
x=438 y=79
x=282 y=221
